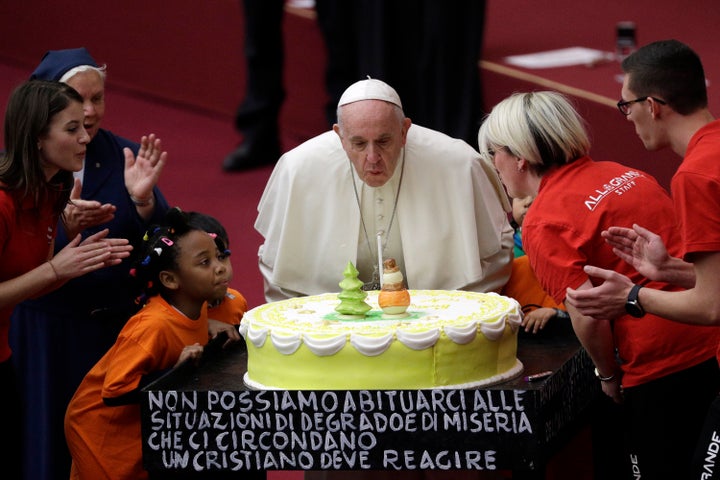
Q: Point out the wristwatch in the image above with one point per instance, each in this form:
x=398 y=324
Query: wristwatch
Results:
x=632 y=306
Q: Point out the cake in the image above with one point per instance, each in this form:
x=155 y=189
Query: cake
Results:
x=445 y=339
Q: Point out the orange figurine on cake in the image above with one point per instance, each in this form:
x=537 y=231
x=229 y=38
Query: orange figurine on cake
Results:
x=394 y=298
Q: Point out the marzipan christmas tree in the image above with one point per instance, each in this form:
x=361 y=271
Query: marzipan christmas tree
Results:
x=352 y=297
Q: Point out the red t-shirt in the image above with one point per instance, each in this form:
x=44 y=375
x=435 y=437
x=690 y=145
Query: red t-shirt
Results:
x=696 y=192
x=26 y=237
x=561 y=234
x=106 y=441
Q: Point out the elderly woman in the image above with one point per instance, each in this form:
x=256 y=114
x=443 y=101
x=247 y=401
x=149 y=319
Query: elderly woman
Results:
x=57 y=338
x=664 y=373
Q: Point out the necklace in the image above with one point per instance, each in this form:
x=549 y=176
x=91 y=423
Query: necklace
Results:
x=374 y=284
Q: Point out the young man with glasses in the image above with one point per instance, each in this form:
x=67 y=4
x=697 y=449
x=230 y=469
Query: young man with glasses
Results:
x=624 y=106
x=667 y=102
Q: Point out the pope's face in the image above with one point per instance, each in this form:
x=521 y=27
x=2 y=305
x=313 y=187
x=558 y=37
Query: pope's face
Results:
x=373 y=133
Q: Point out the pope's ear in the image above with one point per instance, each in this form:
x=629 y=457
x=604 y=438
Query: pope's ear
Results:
x=169 y=280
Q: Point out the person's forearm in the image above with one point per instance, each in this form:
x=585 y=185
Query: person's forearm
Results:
x=144 y=206
x=678 y=272
x=39 y=280
x=686 y=306
x=699 y=305
x=596 y=337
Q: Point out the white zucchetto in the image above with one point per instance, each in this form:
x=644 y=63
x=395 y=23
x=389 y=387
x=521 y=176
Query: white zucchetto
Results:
x=370 y=89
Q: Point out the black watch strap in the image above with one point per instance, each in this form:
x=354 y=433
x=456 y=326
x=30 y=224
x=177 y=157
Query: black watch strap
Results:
x=633 y=306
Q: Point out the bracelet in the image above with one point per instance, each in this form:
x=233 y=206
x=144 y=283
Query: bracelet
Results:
x=57 y=277
x=603 y=379
x=143 y=203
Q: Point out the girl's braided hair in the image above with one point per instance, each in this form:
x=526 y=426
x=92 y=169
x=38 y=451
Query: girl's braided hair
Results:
x=159 y=251
x=213 y=226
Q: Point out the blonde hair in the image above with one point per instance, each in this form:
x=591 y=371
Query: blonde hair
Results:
x=542 y=127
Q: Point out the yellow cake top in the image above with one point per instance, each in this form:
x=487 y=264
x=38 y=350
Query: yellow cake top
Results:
x=312 y=320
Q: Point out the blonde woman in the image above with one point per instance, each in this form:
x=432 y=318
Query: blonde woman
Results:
x=663 y=372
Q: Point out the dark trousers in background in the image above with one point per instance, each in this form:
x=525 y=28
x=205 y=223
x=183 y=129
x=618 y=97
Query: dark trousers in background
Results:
x=706 y=460
x=257 y=116
x=664 y=419
x=10 y=425
x=428 y=50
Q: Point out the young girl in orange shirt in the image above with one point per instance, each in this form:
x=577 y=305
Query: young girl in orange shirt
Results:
x=182 y=267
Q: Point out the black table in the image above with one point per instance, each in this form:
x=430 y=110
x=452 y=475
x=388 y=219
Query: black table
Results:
x=203 y=422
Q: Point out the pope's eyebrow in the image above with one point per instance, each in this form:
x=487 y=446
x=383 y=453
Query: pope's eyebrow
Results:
x=384 y=136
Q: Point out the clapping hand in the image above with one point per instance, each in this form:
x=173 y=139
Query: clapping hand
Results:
x=80 y=214
x=606 y=300
x=143 y=172
x=95 y=252
x=639 y=247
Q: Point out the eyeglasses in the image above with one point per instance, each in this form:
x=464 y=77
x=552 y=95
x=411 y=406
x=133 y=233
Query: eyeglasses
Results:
x=624 y=106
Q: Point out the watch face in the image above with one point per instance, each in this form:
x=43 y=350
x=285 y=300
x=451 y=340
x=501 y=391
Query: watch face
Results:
x=634 y=309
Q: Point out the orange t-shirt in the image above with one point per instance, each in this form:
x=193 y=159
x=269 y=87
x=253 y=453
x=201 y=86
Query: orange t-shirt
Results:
x=231 y=309
x=524 y=286
x=106 y=441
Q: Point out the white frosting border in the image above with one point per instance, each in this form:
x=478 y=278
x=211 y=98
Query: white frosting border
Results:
x=373 y=346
